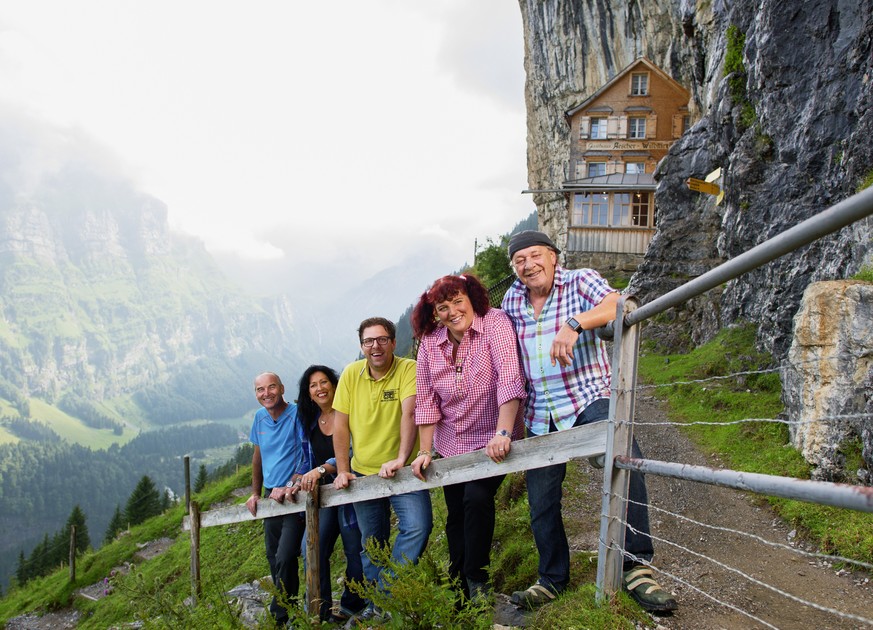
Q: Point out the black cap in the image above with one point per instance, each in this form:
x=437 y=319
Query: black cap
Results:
x=529 y=238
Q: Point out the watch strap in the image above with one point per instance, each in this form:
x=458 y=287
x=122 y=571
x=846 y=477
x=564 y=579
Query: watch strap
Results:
x=572 y=323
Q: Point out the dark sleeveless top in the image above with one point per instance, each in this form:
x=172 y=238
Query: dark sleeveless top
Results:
x=322 y=449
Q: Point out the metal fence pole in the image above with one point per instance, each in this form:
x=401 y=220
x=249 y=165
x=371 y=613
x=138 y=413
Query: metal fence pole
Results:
x=619 y=439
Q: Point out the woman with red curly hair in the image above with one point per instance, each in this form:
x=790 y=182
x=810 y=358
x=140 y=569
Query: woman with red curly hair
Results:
x=469 y=396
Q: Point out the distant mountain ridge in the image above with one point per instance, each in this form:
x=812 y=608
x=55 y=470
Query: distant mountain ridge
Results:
x=99 y=297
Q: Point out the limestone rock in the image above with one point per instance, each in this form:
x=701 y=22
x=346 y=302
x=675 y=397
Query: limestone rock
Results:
x=828 y=384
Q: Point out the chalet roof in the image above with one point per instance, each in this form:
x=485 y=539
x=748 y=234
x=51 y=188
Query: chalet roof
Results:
x=627 y=70
x=616 y=181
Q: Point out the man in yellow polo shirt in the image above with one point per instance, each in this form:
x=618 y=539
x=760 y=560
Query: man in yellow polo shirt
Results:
x=375 y=412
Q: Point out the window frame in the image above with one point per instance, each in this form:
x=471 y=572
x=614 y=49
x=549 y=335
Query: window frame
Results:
x=599 y=164
x=602 y=123
x=627 y=209
x=639 y=84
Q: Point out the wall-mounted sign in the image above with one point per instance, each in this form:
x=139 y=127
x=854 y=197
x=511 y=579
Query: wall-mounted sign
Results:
x=626 y=145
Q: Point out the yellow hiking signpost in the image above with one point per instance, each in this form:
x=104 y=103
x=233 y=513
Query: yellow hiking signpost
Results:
x=711 y=185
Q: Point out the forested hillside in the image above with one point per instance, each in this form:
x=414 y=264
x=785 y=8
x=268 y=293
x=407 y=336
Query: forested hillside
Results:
x=41 y=480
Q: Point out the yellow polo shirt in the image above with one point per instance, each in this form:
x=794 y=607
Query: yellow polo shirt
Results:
x=374 y=411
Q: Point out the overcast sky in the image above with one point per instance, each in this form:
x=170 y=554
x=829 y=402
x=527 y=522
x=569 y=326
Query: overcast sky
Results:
x=360 y=131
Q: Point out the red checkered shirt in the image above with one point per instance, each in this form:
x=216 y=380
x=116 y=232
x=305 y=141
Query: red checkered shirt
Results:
x=463 y=397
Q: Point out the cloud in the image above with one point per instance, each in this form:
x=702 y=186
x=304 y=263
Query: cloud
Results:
x=478 y=51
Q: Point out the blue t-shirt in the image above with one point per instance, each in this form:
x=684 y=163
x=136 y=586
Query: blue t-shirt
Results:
x=283 y=444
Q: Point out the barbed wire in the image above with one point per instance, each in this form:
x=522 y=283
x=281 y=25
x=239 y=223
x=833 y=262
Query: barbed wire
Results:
x=631 y=556
x=708 y=379
x=802 y=552
x=748 y=577
x=785 y=365
x=850 y=416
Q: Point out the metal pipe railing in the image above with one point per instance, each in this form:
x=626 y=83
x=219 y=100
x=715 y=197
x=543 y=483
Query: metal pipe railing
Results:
x=834 y=218
x=840 y=495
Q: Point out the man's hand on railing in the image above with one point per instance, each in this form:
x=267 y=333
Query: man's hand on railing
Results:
x=286 y=492
x=342 y=480
x=389 y=469
x=252 y=504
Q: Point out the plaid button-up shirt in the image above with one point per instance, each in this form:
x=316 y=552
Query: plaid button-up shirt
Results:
x=555 y=391
x=463 y=397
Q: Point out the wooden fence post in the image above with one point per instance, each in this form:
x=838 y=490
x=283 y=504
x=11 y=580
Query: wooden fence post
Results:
x=619 y=439
x=313 y=563
x=195 y=550
x=72 y=553
x=187 y=484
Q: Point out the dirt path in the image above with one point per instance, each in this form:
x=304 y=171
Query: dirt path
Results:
x=807 y=578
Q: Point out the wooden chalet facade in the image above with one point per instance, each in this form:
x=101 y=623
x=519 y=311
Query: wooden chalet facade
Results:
x=619 y=134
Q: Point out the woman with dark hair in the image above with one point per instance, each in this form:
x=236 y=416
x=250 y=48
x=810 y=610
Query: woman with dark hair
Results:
x=315 y=410
x=469 y=395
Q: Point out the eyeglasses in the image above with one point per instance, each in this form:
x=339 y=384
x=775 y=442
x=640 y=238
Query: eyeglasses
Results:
x=369 y=341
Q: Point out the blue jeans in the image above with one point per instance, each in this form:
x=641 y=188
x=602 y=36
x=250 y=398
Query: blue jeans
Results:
x=415 y=521
x=333 y=524
x=544 y=495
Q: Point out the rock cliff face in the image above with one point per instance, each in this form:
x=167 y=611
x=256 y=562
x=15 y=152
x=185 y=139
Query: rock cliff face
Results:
x=793 y=138
x=827 y=384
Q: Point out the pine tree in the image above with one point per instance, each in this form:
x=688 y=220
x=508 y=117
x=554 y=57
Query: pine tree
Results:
x=201 y=480
x=39 y=562
x=166 y=500
x=22 y=573
x=144 y=502
x=77 y=518
x=116 y=524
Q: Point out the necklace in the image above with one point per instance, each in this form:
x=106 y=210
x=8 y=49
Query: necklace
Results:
x=323 y=418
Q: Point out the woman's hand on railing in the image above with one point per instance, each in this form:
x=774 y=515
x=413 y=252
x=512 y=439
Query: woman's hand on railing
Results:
x=498 y=448
x=420 y=464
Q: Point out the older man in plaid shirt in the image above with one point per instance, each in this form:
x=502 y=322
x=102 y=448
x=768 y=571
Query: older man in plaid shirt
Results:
x=554 y=311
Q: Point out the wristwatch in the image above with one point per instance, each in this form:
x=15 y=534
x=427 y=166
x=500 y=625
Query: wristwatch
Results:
x=503 y=433
x=572 y=323
x=321 y=470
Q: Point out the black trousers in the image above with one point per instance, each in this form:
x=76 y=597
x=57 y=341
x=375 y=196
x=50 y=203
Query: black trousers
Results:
x=470 y=528
x=282 y=538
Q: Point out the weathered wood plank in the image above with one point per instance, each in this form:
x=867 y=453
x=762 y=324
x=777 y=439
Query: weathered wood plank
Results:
x=537 y=452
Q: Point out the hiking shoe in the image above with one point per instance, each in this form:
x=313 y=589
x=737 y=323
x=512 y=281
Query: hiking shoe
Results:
x=534 y=597
x=480 y=592
x=640 y=584
x=339 y=614
x=370 y=617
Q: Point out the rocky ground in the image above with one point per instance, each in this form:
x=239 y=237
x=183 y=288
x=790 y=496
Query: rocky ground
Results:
x=807 y=578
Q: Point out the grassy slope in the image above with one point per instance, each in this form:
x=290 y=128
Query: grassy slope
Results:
x=74 y=430
x=750 y=447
